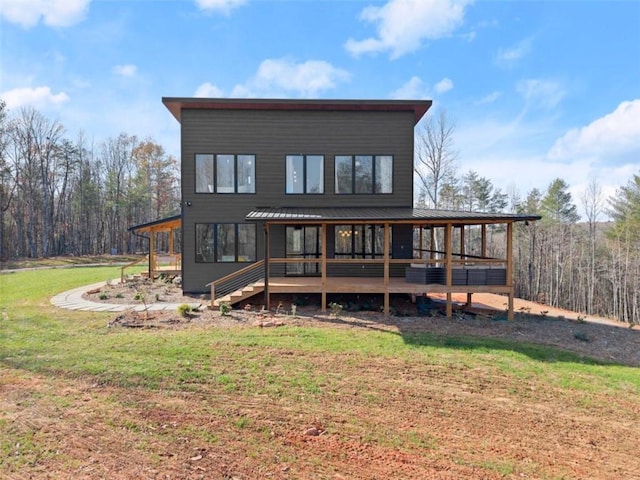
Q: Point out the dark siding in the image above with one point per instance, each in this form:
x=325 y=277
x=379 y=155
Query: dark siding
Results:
x=271 y=135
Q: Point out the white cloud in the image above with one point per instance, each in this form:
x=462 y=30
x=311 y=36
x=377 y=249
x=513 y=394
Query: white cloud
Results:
x=208 y=90
x=283 y=77
x=531 y=155
x=415 y=88
x=443 y=85
x=38 y=97
x=511 y=55
x=54 y=13
x=541 y=93
x=402 y=25
x=221 y=6
x=612 y=139
x=125 y=70
x=487 y=99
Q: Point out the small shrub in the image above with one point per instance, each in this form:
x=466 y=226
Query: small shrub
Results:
x=184 y=310
x=138 y=296
x=157 y=296
x=583 y=337
x=336 y=309
x=103 y=296
x=225 y=309
x=119 y=295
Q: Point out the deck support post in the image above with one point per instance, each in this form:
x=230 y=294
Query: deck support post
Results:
x=510 y=269
x=152 y=253
x=323 y=266
x=483 y=240
x=267 y=249
x=432 y=239
x=386 y=269
x=448 y=247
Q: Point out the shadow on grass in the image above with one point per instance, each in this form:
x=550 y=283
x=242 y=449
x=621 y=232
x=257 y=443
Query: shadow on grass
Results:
x=541 y=338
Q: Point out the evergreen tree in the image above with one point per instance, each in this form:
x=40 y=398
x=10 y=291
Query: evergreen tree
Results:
x=557 y=205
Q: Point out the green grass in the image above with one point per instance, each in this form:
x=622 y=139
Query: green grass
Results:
x=304 y=367
x=44 y=339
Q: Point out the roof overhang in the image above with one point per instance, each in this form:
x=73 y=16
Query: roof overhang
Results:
x=417 y=107
x=404 y=215
x=162 y=225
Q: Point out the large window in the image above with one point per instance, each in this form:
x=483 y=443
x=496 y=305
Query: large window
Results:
x=305 y=174
x=364 y=174
x=359 y=241
x=204 y=173
x=225 y=242
x=225 y=173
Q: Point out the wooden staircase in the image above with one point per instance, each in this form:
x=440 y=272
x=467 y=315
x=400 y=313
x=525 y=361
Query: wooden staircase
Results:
x=239 y=285
x=241 y=294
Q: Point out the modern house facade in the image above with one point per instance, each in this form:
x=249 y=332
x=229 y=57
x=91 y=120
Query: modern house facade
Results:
x=317 y=196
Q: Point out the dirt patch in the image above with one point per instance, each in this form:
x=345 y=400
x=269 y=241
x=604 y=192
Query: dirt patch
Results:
x=141 y=291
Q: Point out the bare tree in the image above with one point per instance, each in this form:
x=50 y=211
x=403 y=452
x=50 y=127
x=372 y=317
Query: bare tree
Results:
x=592 y=202
x=435 y=156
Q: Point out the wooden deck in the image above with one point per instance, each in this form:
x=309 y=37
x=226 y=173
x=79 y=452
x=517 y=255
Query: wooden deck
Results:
x=371 y=285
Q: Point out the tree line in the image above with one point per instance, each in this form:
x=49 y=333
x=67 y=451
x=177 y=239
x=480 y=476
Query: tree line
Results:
x=590 y=266
x=63 y=196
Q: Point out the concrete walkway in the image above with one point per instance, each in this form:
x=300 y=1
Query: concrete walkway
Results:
x=72 y=300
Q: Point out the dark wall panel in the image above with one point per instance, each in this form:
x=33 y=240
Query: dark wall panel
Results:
x=270 y=136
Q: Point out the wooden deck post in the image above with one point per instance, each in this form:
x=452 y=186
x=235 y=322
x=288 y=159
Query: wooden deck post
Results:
x=483 y=248
x=432 y=239
x=152 y=253
x=386 y=269
x=267 y=262
x=510 y=269
x=323 y=266
x=448 y=247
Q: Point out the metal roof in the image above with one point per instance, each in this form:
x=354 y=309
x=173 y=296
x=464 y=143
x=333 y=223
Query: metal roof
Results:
x=176 y=104
x=381 y=214
x=168 y=222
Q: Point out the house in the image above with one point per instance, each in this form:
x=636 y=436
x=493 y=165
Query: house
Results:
x=299 y=196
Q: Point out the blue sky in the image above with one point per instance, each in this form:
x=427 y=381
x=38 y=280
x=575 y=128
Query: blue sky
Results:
x=537 y=90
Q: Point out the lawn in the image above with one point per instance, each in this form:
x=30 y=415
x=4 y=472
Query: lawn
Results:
x=78 y=399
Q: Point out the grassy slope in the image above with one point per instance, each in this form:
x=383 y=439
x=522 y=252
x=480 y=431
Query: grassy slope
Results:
x=305 y=367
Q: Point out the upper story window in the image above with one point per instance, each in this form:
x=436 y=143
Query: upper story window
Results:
x=305 y=174
x=364 y=174
x=225 y=173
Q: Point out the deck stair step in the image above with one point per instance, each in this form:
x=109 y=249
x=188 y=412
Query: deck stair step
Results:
x=241 y=294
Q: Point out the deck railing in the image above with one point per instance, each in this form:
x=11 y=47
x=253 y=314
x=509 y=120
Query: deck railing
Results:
x=128 y=265
x=237 y=280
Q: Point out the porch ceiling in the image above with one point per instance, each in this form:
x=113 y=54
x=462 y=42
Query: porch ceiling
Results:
x=381 y=215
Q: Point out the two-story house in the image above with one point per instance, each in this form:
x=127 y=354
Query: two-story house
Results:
x=317 y=196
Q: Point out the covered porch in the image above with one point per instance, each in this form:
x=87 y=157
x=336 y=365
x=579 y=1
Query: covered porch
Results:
x=433 y=259
x=164 y=257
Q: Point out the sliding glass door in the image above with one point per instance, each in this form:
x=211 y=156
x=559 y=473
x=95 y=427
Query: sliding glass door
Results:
x=303 y=241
